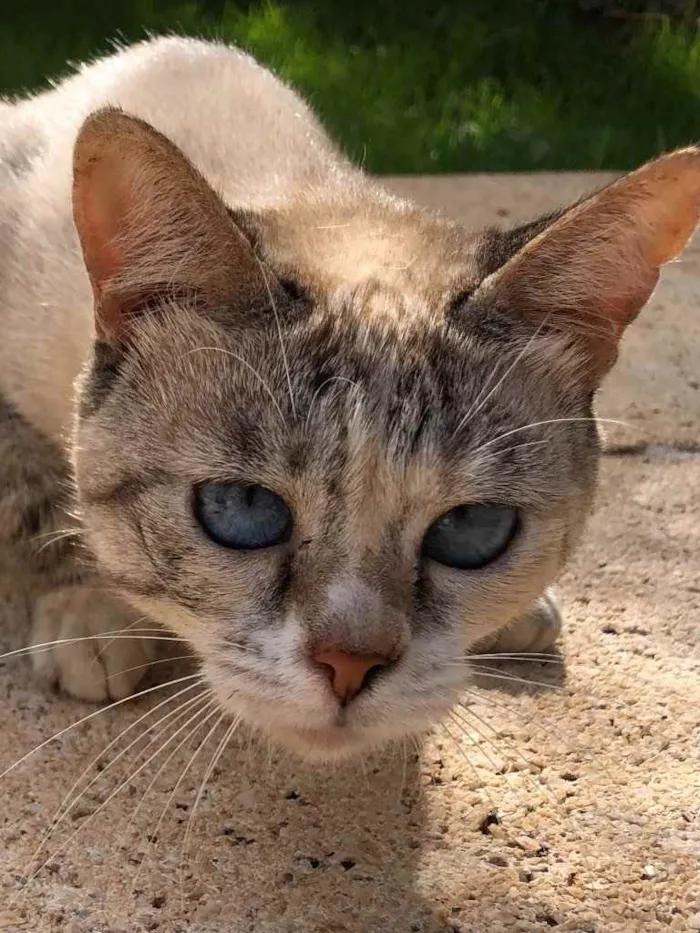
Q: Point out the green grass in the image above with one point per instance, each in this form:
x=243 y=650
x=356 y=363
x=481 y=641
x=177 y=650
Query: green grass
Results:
x=421 y=85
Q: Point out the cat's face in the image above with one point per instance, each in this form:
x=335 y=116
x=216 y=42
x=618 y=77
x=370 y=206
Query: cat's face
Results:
x=372 y=468
x=370 y=437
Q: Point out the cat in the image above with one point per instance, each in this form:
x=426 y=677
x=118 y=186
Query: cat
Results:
x=333 y=441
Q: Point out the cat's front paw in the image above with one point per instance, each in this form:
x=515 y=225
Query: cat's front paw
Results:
x=96 y=654
x=535 y=631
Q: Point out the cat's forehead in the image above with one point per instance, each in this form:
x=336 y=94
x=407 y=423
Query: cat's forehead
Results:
x=390 y=257
x=428 y=387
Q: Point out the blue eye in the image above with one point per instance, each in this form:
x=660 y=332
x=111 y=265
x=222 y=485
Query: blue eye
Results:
x=470 y=536
x=244 y=518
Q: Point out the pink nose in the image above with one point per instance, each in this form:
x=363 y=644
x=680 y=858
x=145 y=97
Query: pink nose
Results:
x=348 y=673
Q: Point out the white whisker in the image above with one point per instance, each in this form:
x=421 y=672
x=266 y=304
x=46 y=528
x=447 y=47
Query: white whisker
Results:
x=323 y=384
x=54 y=536
x=248 y=366
x=48 y=645
x=56 y=531
x=516 y=656
x=92 y=715
x=185 y=770
x=491 y=702
x=279 y=333
x=460 y=712
x=470 y=764
x=497 y=675
x=69 y=802
x=537 y=424
x=540 y=790
x=149 y=664
x=154 y=780
x=129 y=630
x=221 y=748
x=496 y=765
x=481 y=400
x=115 y=792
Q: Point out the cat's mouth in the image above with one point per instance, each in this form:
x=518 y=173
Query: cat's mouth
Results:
x=329 y=734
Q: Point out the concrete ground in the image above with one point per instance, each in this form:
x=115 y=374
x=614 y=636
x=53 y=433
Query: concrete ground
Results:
x=594 y=769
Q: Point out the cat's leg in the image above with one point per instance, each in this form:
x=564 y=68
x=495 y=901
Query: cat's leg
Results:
x=535 y=631
x=79 y=662
x=41 y=555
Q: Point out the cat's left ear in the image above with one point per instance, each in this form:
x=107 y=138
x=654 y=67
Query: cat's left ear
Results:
x=592 y=270
x=150 y=227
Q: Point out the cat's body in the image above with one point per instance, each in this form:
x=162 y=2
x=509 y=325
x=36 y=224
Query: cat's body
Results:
x=359 y=373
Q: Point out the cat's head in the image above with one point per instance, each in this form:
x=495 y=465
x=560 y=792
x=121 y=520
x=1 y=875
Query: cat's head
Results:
x=336 y=444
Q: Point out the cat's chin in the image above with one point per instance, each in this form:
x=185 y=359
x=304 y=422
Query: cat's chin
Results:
x=324 y=733
x=328 y=745
x=325 y=743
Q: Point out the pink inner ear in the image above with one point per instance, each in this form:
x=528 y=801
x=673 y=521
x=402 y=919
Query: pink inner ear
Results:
x=101 y=208
x=143 y=215
x=594 y=268
x=620 y=302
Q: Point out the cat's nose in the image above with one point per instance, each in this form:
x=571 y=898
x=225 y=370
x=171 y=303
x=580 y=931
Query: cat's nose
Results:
x=349 y=673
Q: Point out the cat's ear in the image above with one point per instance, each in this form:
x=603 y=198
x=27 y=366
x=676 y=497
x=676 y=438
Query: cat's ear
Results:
x=591 y=270
x=150 y=226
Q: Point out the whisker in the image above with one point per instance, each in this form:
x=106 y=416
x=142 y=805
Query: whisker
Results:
x=48 y=645
x=470 y=764
x=574 y=666
x=322 y=386
x=497 y=675
x=115 y=792
x=69 y=802
x=496 y=765
x=154 y=780
x=57 y=536
x=537 y=424
x=279 y=333
x=501 y=769
x=539 y=658
x=92 y=715
x=128 y=630
x=185 y=770
x=221 y=748
x=507 y=450
x=96 y=760
x=252 y=369
x=463 y=712
x=55 y=531
x=481 y=400
x=542 y=791
x=149 y=664
x=491 y=702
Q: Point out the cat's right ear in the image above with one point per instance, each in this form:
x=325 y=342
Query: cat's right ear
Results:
x=150 y=226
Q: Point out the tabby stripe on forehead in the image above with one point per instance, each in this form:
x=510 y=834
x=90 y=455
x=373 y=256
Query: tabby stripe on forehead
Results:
x=101 y=379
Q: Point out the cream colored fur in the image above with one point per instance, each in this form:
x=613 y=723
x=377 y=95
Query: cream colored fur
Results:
x=252 y=138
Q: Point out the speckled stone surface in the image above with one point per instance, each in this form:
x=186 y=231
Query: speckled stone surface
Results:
x=593 y=769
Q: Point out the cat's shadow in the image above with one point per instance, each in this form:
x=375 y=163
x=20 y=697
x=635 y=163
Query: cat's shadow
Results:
x=275 y=845
x=297 y=846
x=523 y=676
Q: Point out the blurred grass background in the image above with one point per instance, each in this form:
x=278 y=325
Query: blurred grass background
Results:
x=426 y=85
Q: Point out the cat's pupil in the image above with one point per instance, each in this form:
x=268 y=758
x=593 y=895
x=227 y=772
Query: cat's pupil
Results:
x=293 y=289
